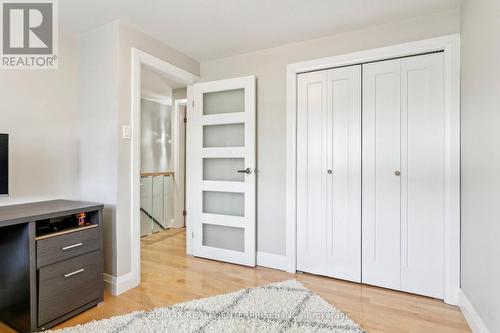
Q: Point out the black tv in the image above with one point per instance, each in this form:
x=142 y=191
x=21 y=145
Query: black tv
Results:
x=4 y=164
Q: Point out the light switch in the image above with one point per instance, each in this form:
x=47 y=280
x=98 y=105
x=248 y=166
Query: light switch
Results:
x=126 y=132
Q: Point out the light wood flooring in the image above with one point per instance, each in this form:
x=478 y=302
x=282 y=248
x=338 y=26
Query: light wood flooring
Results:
x=170 y=276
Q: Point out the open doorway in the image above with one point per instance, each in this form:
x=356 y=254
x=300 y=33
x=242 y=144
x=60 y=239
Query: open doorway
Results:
x=221 y=162
x=162 y=178
x=159 y=109
x=162 y=187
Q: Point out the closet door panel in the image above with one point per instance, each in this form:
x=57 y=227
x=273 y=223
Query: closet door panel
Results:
x=381 y=184
x=422 y=175
x=329 y=173
x=344 y=184
x=311 y=172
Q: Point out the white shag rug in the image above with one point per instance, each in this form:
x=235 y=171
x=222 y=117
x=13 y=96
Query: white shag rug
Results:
x=279 y=307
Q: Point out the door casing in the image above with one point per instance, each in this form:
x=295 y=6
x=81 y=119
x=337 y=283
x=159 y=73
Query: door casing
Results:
x=132 y=255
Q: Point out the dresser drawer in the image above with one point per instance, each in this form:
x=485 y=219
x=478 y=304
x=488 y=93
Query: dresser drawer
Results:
x=63 y=247
x=68 y=285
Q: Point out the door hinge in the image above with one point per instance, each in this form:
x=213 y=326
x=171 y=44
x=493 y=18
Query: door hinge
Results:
x=193 y=103
x=185 y=120
x=192 y=235
x=184 y=212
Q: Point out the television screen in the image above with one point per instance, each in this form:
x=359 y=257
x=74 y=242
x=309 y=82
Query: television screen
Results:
x=4 y=164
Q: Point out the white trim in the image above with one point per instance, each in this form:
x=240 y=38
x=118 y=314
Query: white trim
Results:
x=177 y=122
x=451 y=47
x=271 y=260
x=117 y=285
x=189 y=110
x=473 y=319
x=175 y=134
x=140 y=58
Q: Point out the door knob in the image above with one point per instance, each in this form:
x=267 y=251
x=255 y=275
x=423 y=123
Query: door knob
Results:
x=329 y=171
x=247 y=171
x=397 y=173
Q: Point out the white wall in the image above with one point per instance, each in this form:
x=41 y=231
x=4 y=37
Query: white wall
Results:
x=156 y=116
x=156 y=137
x=37 y=109
x=155 y=87
x=63 y=128
x=270 y=68
x=481 y=158
x=97 y=128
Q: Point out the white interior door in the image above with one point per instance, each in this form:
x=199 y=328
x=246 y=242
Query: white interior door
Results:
x=329 y=173
x=403 y=174
x=221 y=181
x=422 y=175
x=381 y=168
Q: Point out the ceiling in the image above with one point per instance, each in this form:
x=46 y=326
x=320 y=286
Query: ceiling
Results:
x=210 y=29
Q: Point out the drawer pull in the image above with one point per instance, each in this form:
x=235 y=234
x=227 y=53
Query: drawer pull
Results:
x=74 y=273
x=71 y=246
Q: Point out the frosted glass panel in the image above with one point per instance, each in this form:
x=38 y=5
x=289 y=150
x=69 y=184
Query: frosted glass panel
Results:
x=228 y=135
x=157 y=211
x=157 y=203
x=224 y=203
x=146 y=206
x=227 y=101
x=168 y=200
x=223 y=169
x=222 y=237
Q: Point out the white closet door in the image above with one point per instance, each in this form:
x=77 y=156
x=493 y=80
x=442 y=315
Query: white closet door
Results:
x=381 y=165
x=312 y=172
x=329 y=173
x=422 y=175
x=344 y=185
x=403 y=174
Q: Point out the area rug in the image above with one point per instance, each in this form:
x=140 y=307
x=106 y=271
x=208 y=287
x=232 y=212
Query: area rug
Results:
x=279 y=307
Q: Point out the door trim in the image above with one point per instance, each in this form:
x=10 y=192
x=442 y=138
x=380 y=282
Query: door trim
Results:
x=140 y=58
x=179 y=165
x=450 y=45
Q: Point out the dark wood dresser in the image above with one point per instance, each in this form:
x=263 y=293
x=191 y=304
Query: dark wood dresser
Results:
x=51 y=268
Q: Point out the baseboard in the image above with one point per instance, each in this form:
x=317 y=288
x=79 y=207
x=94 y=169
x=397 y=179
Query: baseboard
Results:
x=475 y=322
x=271 y=260
x=117 y=285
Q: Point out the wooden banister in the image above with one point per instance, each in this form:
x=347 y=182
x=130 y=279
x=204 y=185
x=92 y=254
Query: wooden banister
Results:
x=156 y=174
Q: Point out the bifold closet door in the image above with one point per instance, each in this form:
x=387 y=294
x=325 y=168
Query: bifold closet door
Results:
x=381 y=162
x=329 y=173
x=403 y=174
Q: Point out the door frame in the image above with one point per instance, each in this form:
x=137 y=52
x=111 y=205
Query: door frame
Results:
x=450 y=45
x=179 y=165
x=140 y=58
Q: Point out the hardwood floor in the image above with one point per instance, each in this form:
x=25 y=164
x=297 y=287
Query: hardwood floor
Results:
x=169 y=276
